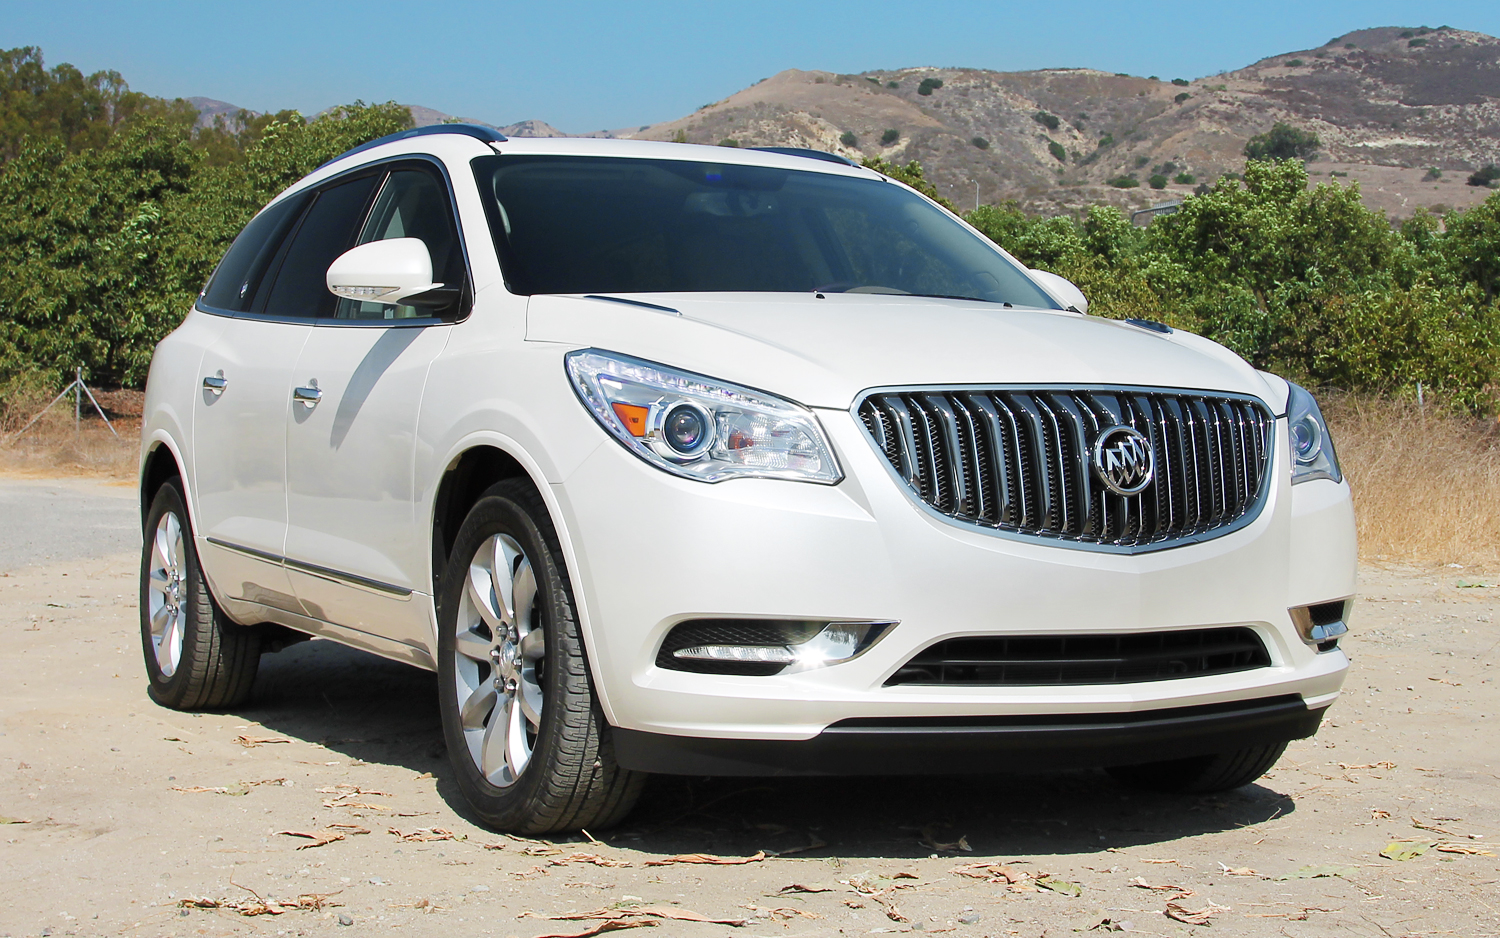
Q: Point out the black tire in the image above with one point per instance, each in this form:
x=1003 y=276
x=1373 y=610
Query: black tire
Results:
x=571 y=780
x=1201 y=774
x=218 y=659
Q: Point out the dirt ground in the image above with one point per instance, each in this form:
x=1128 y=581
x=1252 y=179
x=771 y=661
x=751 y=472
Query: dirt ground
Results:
x=120 y=818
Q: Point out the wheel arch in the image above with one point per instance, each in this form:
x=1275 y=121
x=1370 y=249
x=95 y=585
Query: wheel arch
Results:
x=477 y=463
x=160 y=463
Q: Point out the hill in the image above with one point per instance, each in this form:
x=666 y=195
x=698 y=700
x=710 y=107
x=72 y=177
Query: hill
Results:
x=1389 y=105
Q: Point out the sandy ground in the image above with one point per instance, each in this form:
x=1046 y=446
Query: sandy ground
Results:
x=114 y=812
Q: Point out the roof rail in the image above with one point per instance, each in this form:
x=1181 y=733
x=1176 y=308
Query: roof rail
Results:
x=807 y=153
x=478 y=132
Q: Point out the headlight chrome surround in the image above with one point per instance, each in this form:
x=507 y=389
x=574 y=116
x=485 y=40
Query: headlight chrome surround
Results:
x=749 y=434
x=1313 y=456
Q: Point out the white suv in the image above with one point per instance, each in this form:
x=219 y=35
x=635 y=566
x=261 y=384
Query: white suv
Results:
x=715 y=461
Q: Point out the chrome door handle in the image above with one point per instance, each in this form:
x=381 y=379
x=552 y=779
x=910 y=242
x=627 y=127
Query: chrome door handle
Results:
x=216 y=383
x=308 y=396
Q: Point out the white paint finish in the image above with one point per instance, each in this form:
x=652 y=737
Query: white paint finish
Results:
x=823 y=352
x=239 y=454
x=350 y=495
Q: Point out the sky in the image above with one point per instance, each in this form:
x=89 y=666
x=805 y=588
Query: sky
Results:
x=584 y=66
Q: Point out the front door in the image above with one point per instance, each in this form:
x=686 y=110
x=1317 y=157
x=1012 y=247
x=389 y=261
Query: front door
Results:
x=357 y=549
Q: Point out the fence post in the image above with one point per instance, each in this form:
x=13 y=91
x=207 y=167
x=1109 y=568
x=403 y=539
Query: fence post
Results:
x=77 y=402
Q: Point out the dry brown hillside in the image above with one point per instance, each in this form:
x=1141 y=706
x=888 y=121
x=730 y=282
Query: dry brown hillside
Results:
x=1389 y=104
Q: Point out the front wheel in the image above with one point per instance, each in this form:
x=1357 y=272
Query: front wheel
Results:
x=195 y=657
x=526 y=736
x=1202 y=774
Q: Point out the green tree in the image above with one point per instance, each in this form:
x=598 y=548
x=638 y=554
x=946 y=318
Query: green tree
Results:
x=1282 y=142
x=912 y=175
x=890 y=137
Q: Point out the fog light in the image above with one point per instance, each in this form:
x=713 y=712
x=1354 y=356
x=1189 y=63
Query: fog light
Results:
x=762 y=647
x=1321 y=624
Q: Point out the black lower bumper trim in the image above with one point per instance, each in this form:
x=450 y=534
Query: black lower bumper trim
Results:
x=968 y=745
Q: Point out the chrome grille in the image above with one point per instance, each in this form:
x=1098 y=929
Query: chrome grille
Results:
x=1018 y=460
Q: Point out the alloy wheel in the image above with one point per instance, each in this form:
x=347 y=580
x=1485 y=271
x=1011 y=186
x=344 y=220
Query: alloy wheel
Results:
x=166 y=595
x=499 y=657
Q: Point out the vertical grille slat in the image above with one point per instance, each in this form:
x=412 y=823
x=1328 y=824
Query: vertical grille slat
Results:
x=1019 y=460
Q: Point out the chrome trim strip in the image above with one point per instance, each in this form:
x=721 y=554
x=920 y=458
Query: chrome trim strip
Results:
x=1048 y=540
x=315 y=570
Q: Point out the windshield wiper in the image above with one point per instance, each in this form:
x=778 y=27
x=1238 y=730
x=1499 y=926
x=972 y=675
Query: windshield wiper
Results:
x=954 y=296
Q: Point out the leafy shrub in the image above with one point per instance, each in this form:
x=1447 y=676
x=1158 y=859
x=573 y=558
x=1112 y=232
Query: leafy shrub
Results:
x=1282 y=142
x=1350 y=45
x=1125 y=182
x=1485 y=177
x=1296 y=63
x=1108 y=140
x=980 y=143
x=729 y=142
x=1432 y=175
x=1181 y=82
x=1157 y=181
x=929 y=85
x=873 y=81
x=1184 y=179
x=890 y=137
x=680 y=136
x=893 y=84
x=1057 y=151
x=1417 y=43
x=848 y=139
x=1141 y=161
x=1050 y=121
x=1181 y=97
x=1407 y=34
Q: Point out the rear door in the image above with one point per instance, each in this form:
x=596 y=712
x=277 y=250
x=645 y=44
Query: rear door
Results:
x=357 y=551
x=240 y=410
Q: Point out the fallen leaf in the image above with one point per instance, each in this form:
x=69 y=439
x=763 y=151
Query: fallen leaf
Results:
x=1318 y=872
x=326 y=836
x=1238 y=871
x=1470 y=849
x=930 y=840
x=604 y=926
x=1062 y=886
x=1407 y=849
x=591 y=858
x=633 y=912
x=250 y=742
x=1378 y=815
x=1461 y=584
x=423 y=834
x=708 y=858
x=258 y=905
x=13 y=820
x=1430 y=827
x=349 y=791
x=793 y=888
x=1140 y=883
x=1194 y=916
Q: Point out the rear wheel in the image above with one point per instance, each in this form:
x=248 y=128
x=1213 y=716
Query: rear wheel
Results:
x=1202 y=774
x=525 y=733
x=195 y=657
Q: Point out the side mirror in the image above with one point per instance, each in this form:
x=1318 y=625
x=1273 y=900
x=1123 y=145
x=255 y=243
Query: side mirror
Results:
x=382 y=271
x=1062 y=289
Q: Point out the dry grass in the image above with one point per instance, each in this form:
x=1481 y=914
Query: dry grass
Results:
x=53 y=447
x=1426 y=485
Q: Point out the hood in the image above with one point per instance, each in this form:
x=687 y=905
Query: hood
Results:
x=824 y=352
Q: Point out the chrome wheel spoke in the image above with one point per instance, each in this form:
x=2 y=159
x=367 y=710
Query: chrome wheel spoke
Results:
x=166 y=648
x=518 y=744
x=533 y=645
x=479 y=704
x=473 y=647
x=480 y=589
x=530 y=697
x=523 y=593
x=493 y=757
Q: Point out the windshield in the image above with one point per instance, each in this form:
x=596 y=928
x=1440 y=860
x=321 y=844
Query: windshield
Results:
x=579 y=224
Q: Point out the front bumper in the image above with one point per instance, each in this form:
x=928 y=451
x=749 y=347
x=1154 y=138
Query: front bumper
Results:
x=650 y=550
x=979 y=746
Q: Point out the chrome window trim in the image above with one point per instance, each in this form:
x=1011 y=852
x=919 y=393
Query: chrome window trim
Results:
x=1063 y=543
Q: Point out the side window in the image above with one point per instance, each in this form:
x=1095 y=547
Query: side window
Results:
x=301 y=288
x=413 y=203
x=236 y=280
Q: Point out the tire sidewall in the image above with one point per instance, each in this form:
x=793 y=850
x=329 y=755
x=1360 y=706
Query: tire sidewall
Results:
x=497 y=513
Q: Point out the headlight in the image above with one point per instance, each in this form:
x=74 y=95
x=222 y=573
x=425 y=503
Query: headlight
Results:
x=700 y=428
x=1312 y=446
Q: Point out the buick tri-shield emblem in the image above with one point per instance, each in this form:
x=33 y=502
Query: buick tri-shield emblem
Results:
x=1123 y=460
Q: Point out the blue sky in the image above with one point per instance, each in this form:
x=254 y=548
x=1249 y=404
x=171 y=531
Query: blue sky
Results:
x=588 y=66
